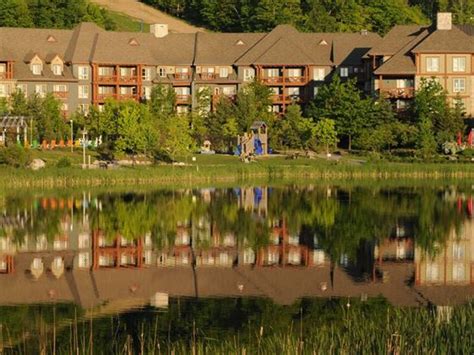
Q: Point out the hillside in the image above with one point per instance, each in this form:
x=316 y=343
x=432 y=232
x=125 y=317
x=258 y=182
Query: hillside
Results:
x=147 y=14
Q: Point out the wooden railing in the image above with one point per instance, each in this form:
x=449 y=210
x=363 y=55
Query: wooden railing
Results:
x=182 y=76
x=183 y=99
x=209 y=76
x=394 y=93
x=61 y=94
x=128 y=79
x=286 y=80
x=107 y=78
x=103 y=97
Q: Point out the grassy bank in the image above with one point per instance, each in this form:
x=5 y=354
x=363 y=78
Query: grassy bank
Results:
x=228 y=169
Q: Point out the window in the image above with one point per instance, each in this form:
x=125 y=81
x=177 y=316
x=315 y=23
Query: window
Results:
x=319 y=74
x=106 y=71
x=57 y=69
x=272 y=73
x=36 y=69
x=60 y=88
x=315 y=91
x=459 y=85
x=432 y=272
x=146 y=74
x=432 y=64
x=84 y=240
x=224 y=72
x=84 y=108
x=22 y=88
x=295 y=73
x=3 y=90
x=293 y=92
x=249 y=74
x=40 y=90
x=459 y=64
x=147 y=92
x=83 y=260
x=228 y=90
x=64 y=107
x=458 y=251
x=181 y=109
x=459 y=272
x=275 y=108
x=318 y=257
x=83 y=91
x=344 y=72
x=162 y=72
x=83 y=73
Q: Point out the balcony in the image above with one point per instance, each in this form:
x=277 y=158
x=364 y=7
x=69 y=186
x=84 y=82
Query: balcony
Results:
x=181 y=76
x=103 y=97
x=398 y=93
x=107 y=78
x=279 y=80
x=183 y=99
x=61 y=94
x=208 y=76
x=285 y=99
x=132 y=79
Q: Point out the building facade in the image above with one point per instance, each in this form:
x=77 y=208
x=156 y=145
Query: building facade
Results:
x=87 y=65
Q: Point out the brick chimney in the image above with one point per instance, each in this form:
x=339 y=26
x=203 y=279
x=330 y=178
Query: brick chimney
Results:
x=159 y=30
x=444 y=21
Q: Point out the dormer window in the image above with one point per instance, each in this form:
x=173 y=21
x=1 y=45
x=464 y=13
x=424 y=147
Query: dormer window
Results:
x=133 y=42
x=57 y=69
x=36 y=68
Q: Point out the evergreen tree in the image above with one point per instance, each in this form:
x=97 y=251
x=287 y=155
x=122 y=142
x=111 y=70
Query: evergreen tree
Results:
x=14 y=13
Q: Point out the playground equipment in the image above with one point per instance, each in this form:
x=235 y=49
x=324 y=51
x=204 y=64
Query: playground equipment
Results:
x=255 y=142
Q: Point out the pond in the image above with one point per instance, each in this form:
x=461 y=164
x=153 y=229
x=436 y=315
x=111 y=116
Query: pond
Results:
x=241 y=269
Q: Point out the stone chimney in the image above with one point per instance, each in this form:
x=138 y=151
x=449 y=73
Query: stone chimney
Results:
x=444 y=21
x=159 y=30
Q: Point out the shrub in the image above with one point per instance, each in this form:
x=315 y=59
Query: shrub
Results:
x=161 y=155
x=64 y=162
x=15 y=155
x=106 y=151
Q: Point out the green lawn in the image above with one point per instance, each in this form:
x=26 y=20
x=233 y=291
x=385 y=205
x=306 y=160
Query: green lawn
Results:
x=126 y=23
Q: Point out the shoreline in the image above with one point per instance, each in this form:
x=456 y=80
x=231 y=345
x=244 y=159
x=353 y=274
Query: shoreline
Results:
x=267 y=171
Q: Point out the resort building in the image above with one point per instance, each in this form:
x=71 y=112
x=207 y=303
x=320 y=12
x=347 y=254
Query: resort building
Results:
x=407 y=54
x=88 y=65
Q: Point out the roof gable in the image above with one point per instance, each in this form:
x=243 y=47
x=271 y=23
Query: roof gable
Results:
x=284 y=51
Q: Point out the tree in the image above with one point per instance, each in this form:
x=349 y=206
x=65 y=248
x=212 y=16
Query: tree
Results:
x=179 y=141
x=221 y=125
x=252 y=105
x=325 y=133
x=341 y=102
x=14 y=13
x=434 y=117
x=293 y=130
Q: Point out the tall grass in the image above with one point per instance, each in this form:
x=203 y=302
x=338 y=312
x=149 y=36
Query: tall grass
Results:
x=231 y=172
x=394 y=331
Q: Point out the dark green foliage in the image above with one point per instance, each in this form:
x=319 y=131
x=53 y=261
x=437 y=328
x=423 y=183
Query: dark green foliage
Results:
x=106 y=151
x=308 y=15
x=52 y=13
x=15 y=155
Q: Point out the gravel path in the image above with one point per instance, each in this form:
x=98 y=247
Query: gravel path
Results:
x=147 y=14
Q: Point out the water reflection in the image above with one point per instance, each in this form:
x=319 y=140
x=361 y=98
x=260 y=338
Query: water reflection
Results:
x=412 y=245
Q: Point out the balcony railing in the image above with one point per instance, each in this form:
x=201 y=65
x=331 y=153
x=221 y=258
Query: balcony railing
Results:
x=286 y=98
x=398 y=93
x=61 y=94
x=128 y=79
x=103 y=97
x=107 y=78
x=209 y=76
x=286 y=80
x=183 y=99
x=181 y=76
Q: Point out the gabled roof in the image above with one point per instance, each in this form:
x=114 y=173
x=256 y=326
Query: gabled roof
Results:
x=403 y=61
x=397 y=38
x=447 y=41
x=284 y=51
x=223 y=48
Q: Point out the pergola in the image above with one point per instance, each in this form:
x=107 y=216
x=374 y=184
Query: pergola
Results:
x=17 y=123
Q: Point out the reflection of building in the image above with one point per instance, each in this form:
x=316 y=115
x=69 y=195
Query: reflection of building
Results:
x=453 y=264
x=117 y=252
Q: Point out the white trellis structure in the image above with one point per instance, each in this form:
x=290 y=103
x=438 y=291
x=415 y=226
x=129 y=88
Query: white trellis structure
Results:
x=18 y=124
